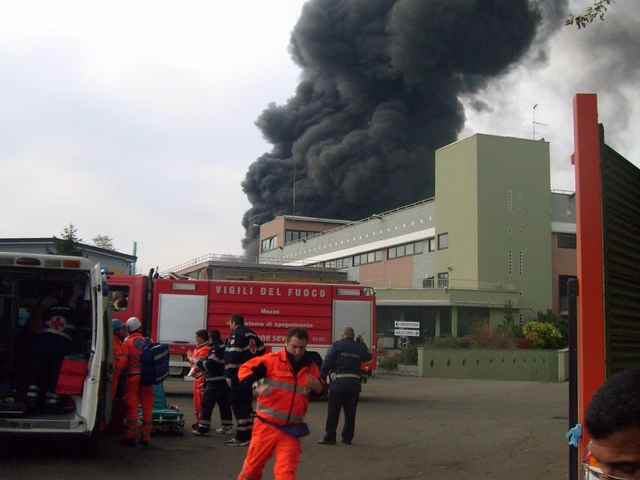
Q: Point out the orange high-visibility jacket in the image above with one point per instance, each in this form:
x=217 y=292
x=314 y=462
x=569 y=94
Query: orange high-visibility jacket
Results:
x=289 y=401
x=119 y=357
x=132 y=347
x=199 y=353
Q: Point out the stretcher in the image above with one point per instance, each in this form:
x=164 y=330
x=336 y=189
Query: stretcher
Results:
x=166 y=418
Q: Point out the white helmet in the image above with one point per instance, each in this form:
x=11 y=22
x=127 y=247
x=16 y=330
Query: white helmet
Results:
x=133 y=324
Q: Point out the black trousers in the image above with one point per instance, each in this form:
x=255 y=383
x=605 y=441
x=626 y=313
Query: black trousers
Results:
x=216 y=393
x=48 y=359
x=347 y=401
x=242 y=406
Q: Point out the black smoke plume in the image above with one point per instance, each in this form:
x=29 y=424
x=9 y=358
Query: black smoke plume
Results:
x=380 y=91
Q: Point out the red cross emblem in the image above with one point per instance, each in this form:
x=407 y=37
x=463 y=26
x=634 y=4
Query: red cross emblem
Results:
x=57 y=323
x=252 y=346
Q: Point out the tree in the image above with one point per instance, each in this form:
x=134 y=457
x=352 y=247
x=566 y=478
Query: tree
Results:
x=509 y=325
x=68 y=243
x=103 y=241
x=598 y=9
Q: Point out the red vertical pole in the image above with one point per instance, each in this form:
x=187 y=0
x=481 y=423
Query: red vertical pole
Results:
x=586 y=158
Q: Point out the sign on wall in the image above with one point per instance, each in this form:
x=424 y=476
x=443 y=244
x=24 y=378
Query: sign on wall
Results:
x=400 y=324
x=405 y=332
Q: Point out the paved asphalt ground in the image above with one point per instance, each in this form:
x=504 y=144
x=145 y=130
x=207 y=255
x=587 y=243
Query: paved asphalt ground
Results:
x=407 y=428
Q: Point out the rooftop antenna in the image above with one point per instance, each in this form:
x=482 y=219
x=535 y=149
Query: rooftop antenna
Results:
x=535 y=123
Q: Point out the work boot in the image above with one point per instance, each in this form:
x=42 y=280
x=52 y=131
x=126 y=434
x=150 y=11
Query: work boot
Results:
x=201 y=431
x=31 y=401
x=128 y=442
x=144 y=442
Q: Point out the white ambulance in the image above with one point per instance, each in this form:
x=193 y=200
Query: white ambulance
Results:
x=31 y=287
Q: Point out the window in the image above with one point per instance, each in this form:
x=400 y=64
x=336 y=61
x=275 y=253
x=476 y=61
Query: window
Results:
x=269 y=244
x=566 y=240
x=405 y=250
x=509 y=201
x=510 y=262
x=443 y=280
x=119 y=297
x=431 y=244
x=443 y=241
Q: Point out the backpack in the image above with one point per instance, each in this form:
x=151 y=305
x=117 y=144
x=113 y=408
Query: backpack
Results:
x=154 y=361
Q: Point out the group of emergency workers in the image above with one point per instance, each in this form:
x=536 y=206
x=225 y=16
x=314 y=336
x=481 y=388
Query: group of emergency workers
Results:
x=239 y=371
x=235 y=373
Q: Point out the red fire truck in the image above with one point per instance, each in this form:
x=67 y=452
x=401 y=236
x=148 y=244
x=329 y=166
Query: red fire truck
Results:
x=173 y=310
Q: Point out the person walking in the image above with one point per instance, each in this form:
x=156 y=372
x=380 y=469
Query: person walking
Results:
x=282 y=382
x=344 y=359
x=241 y=346
x=199 y=353
x=135 y=394
x=216 y=389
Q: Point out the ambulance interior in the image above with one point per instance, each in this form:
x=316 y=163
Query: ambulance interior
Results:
x=25 y=296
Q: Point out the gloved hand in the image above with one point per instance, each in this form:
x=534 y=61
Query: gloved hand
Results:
x=574 y=435
x=229 y=381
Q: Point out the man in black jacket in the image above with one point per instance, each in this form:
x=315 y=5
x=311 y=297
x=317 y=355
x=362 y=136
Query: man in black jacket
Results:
x=344 y=359
x=216 y=389
x=242 y=345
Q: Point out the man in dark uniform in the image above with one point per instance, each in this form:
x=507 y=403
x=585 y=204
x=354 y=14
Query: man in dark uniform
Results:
x=242 y=345
x=216 y=389
x=344 y=359
x=61 y=323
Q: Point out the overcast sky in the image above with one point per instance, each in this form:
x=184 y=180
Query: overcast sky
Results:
x=135 y=119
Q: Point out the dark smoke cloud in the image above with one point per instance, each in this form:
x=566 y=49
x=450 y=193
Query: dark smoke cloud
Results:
x=379 y=92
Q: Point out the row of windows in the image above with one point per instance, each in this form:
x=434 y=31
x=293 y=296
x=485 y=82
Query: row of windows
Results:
x=404 y=250
x=365 y=258
x=339 y=263
x=408 y=249
x=293 y=235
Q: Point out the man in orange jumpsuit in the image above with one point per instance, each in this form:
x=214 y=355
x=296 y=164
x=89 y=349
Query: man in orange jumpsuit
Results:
x=282 y=381
x=119 y=357
x=199 y=375
x=136 y=394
